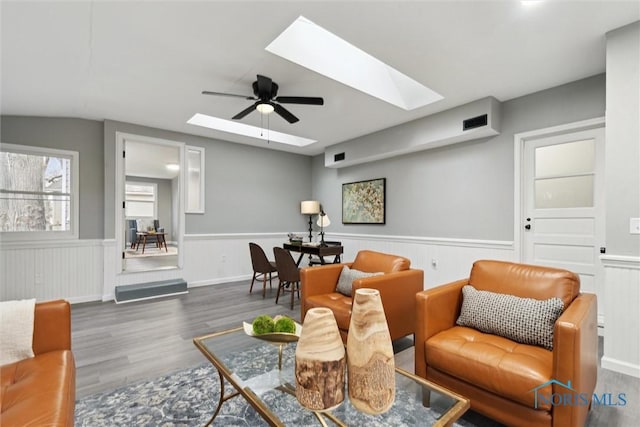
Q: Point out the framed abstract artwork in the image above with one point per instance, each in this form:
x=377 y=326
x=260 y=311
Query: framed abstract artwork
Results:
x=363 y=202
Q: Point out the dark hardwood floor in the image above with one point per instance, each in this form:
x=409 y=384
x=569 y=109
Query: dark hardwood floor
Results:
x=118 y=344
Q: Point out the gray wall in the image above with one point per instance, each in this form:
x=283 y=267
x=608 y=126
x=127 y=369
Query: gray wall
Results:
x=248 y=189
x=460 y=191
x=83 y=136
x=623 y=139
x=165 y=201
x=463 y=190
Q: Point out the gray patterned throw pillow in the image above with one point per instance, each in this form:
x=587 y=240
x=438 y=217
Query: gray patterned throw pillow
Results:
x=525 y=320
x=347 y=276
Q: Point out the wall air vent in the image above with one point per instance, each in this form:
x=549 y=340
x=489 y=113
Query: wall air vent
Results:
x=474 y=122
x=480 y=119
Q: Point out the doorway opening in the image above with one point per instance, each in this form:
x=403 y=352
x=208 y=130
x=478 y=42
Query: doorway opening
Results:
x=150 y=188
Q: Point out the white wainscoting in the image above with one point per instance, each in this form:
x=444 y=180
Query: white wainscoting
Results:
x=211 y=259
x=443 y=260
x=622 y=303
x=89 y=270
x=46 y=270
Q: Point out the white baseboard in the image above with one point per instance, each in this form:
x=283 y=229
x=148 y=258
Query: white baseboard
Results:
x=152 y=297
x=88 y=298
x=218 y=281
x=620 y=366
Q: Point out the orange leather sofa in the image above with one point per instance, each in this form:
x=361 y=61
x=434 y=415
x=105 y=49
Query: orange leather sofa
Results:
x=497 y=374
x=398 y=287
x=40 y=391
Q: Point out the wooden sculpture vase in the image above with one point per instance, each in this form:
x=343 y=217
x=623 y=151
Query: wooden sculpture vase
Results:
x=371 y=365
x=320 y=362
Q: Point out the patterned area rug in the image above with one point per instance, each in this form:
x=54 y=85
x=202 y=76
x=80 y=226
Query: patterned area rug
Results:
x=184 y=398
x=188 y=398
x=150 y=251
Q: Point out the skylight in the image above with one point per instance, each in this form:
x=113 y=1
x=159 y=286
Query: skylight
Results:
x=247 y=130
x=319 y=50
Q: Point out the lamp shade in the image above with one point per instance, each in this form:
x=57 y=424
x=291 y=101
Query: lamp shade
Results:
x=323 y=221
x=310 y=207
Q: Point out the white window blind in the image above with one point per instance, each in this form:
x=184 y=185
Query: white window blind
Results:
x=141 y=200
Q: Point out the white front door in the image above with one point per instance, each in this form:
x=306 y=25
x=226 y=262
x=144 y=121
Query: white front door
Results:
x=563 y=205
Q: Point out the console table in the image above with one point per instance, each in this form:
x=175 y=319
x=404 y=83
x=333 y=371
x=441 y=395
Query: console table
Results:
x=319 y=251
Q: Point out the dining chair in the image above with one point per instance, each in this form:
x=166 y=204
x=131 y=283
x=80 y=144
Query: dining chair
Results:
x=288 y=273
x=261 y=267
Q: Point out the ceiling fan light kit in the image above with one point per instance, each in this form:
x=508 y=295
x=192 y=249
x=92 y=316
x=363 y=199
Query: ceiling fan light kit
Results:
x=264 y=108
x=265 y=93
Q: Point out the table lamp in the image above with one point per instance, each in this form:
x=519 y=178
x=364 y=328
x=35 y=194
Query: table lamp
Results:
x=311 y=208
x=323 y=221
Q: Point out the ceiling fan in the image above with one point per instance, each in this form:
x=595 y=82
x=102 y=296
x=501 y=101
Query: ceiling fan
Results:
x=267 y=100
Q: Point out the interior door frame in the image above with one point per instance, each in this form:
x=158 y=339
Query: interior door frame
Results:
x=121 y=137
x=519 y=141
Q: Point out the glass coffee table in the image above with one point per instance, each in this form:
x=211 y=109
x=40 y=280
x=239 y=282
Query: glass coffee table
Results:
x=250 y=366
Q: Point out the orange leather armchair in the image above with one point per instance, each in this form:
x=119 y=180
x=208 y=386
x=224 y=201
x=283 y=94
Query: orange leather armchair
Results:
x=398 y=287
x=501 y=377
x=41 y=390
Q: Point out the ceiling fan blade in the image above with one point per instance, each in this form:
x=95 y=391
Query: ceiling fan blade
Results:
x=244 y=112
x=300 y=100
x=264 y=87
x=208 y=92
x=285 y=113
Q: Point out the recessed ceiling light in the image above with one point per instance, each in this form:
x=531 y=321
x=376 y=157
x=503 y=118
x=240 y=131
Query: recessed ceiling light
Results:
x=530 y=2
x=319 y=50
x=247 y=130
x=173 y=166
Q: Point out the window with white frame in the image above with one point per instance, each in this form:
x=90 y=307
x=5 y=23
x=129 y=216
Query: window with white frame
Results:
x=195 y=180
x=38 y=192
x=141 y=200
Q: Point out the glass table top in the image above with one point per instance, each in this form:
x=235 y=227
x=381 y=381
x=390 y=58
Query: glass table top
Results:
x=251 y=366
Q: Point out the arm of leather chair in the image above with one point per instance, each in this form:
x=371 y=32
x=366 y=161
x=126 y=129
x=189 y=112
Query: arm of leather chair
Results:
x=575 y=355
x=397 y=292
x=436 y=310
x=52 y=326
x=320 y=280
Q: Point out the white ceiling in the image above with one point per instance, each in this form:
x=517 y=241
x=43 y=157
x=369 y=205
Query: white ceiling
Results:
x=147 y=62
x=150 y=160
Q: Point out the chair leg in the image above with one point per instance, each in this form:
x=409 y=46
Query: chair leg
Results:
x=293 y=291
x=252 y=280
x=280 y=285
x=264 y=284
